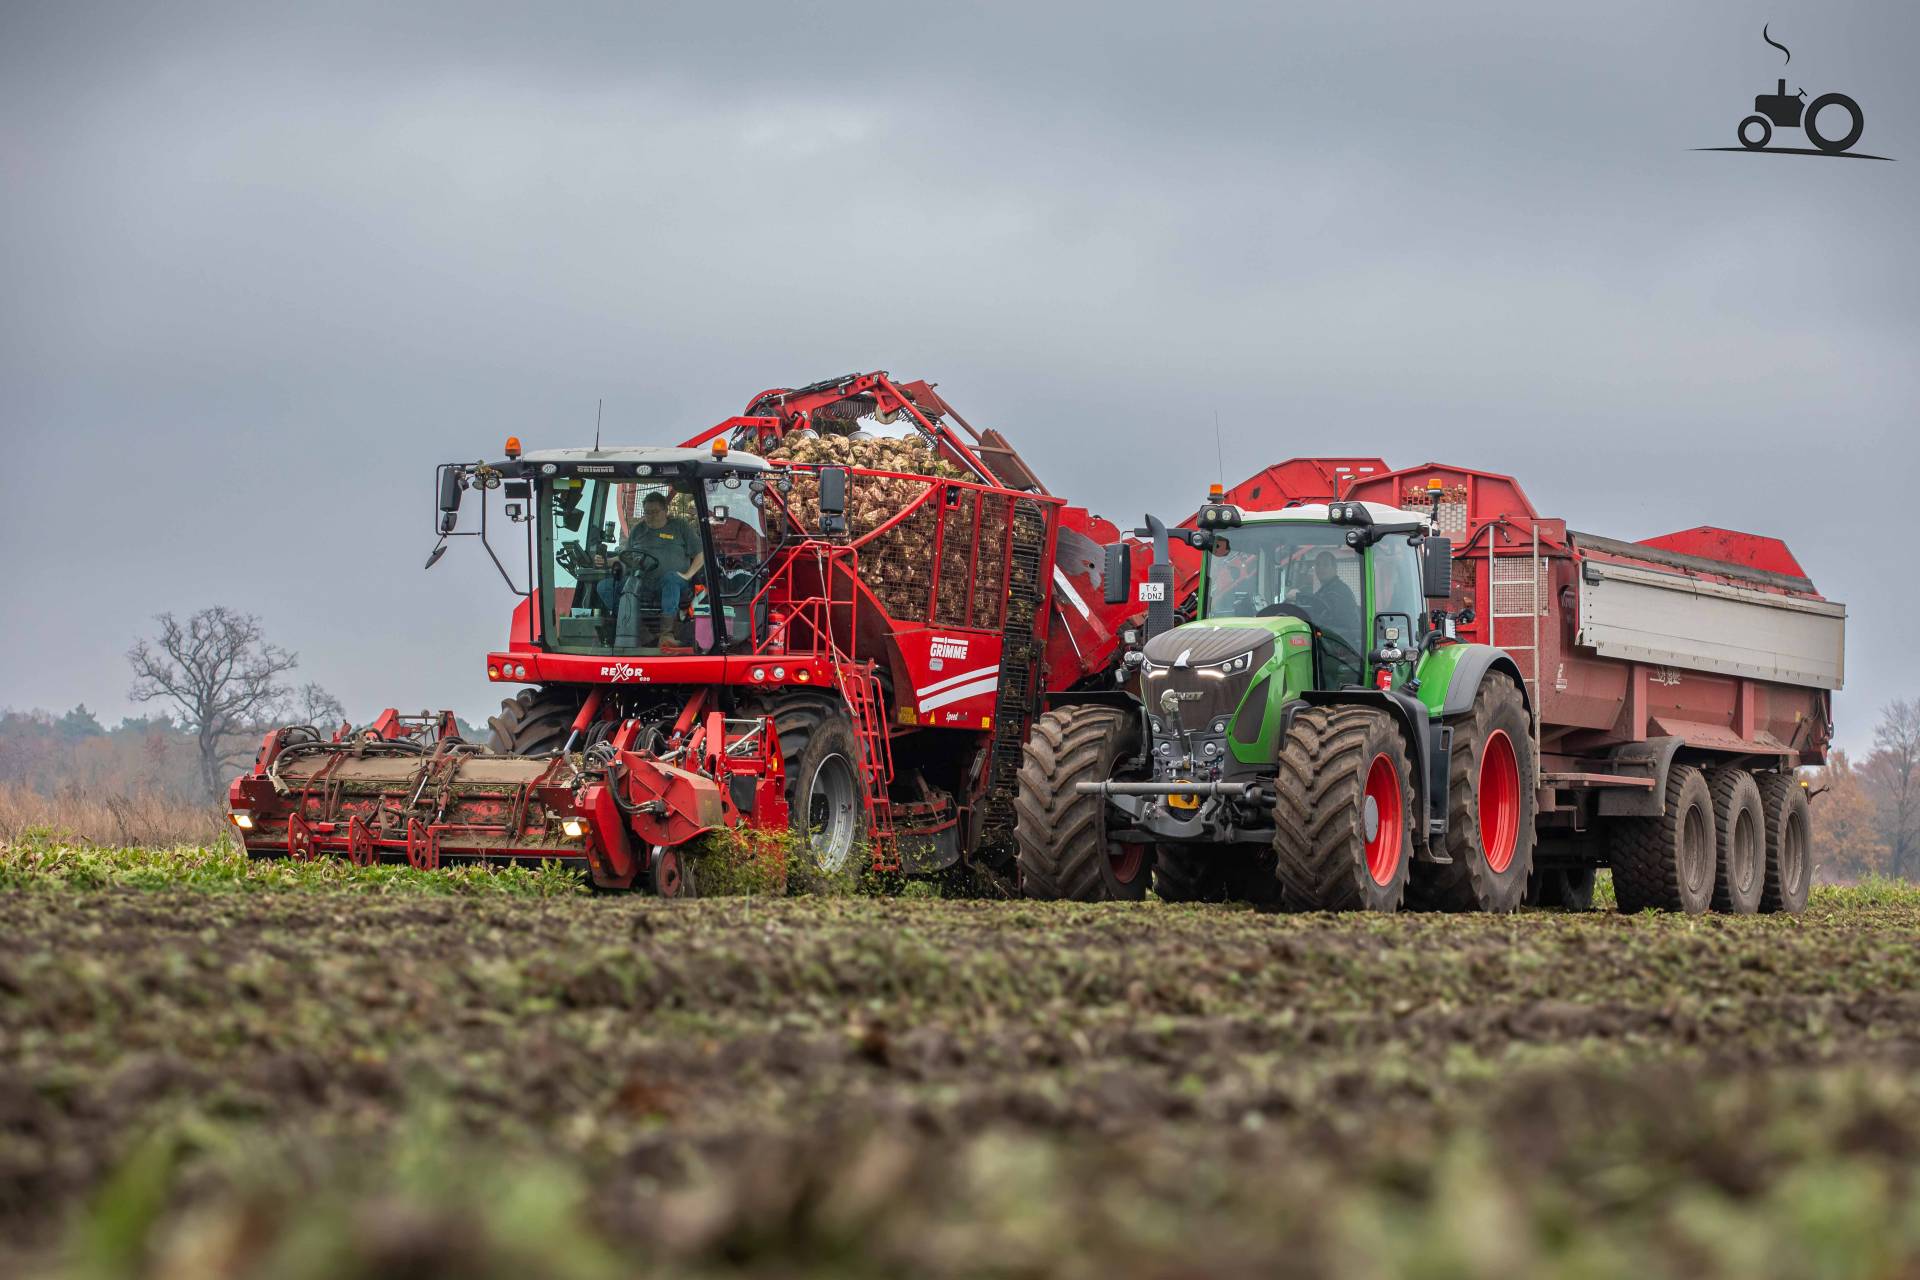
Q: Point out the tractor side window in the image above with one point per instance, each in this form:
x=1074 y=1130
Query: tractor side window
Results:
x=1396 y=583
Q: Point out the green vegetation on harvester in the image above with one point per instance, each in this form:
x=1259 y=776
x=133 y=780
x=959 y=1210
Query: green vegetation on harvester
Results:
x=333 y=1082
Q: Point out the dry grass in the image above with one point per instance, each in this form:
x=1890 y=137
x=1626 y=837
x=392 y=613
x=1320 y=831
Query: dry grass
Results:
x=140 y=818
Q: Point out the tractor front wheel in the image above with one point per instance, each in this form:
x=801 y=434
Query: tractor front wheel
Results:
x=1490 y=802
x=1343 y=819
x=1065 y=848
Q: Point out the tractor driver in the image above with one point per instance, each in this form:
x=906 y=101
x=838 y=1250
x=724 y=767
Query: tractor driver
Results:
x=662 y=556
x=1336 y=613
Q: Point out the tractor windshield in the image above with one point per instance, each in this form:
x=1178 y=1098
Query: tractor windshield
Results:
x=1303 y=570
x=622 y=567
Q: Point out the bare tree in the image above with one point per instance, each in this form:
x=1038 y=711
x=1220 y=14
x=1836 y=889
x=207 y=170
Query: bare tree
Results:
x=317 y=707
x=1893 y=773
x=223 y=678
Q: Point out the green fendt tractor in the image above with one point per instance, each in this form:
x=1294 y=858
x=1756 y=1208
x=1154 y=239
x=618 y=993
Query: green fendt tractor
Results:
x=1314 y=739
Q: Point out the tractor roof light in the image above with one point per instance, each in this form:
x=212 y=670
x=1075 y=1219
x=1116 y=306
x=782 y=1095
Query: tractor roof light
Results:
x=719 y=448
x=1216 y=493
x=513 y=446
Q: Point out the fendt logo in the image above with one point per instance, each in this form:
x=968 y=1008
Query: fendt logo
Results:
x=622 y=671
x=1832 y=122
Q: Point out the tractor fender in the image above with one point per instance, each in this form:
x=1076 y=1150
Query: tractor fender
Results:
x=1650 y=759
x=1470 y=669
x=1411 y=717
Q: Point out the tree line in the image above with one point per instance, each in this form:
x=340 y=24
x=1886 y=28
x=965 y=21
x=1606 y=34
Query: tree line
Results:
x=1866 y=815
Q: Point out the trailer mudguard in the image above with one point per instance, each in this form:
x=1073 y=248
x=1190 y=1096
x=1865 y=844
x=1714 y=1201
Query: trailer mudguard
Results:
x=1650 y=759
x=1411 y=716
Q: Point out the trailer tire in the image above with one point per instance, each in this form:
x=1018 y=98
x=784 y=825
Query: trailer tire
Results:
x=1740 y=828
x=1343 y=818
x=1061 y=835
x=534 y=722
x=1789 y=827
x=1491 y=776
x=1562 y=888
x=1667 y=863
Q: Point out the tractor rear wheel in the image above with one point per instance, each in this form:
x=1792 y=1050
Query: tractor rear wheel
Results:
x=534 y=722
x=1789 y=853
x=1065 y=850
x=1343 y=819
x=826 y=796
x=1740 y=864
x=1490 y=800
x=1667 y=863
x=1184 y=873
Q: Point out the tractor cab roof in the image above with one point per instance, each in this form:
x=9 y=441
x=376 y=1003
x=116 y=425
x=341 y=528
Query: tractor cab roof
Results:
x=1308 y=512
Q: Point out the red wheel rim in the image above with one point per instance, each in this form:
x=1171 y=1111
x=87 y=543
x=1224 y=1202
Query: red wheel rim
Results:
x=1389 y=819
x=1125 y=861
x=1499 y=800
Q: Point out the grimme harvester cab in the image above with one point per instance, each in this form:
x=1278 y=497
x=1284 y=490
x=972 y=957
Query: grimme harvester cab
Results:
x=741 y=632
x=1420 y=690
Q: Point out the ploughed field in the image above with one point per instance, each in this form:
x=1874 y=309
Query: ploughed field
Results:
x=211 y=1069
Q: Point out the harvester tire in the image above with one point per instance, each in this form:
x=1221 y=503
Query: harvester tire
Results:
x=1343 y=819
x=1061 y=835
x=1491 y=775
x=534 y=722
x=1740 y=827
x=822 y=755
x=1667 y=863
x=1789 y=827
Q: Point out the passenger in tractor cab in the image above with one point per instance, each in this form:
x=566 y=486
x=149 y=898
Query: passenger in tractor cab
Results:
x=662 y=557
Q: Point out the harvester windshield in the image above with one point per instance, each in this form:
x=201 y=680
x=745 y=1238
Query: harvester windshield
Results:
x=626 y=566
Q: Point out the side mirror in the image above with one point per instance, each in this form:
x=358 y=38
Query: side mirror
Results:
x=833 y=500
x=1437 y=569
x=1117 y=573
x=833 y=491
x=452 y=481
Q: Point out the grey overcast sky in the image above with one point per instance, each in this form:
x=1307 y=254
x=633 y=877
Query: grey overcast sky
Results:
x=262 y=266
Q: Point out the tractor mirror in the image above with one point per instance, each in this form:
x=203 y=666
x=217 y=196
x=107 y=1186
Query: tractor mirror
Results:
x=1116 y=573
x=451 y=483
x=1438 y=569
x=833 y=491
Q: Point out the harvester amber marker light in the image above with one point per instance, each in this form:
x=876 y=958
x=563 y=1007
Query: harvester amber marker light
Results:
x=493 y=671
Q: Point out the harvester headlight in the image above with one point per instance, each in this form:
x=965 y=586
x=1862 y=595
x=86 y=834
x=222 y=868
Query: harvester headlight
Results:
x=520 y=671
x=241 y=819
x=759 y=673
x=779 y=673
x=573 y=828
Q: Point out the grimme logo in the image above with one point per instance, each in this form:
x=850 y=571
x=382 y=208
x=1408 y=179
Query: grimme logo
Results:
x=949 y=647
x=1832 y=122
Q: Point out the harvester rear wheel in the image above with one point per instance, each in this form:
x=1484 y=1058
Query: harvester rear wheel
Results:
x=1740 y=862
x=826 y=800
x=1667 y=863
x=1490 y=801
x=534 y=722
x=1789 y=869
x=1064 y=848
x=1343 y=820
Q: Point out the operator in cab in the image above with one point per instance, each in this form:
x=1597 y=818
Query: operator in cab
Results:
x=662 y=557
x=1336 y=613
